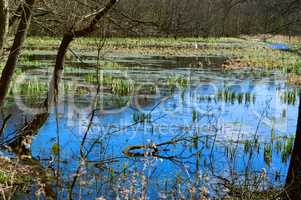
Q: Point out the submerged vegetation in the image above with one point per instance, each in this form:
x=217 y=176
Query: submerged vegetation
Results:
x=142 y=117
x=283 y=146
x=178 y=82
x=122 y=87
x=290 y=97
x=241 y=53
x=228 y=96
x=150 y=100
x=125 y=79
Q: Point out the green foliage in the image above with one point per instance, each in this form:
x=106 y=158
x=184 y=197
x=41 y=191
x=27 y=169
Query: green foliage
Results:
x=122 y=87
x=4 y=177
x=31 y=91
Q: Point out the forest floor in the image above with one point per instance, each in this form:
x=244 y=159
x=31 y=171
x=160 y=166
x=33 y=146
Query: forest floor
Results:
x=18 y=177
x=14 y=178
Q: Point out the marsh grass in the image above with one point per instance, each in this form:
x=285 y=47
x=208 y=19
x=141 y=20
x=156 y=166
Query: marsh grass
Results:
x=122 y=87
x=227 y=96
x=250 y=184
x=283 y=146
x=179 y=82
x=242 y=53
x=248 y=53
x=289 y=97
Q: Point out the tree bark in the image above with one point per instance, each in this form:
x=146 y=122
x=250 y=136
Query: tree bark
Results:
x=293 y=179
x=4 y=19
x=67 y=39
x=15 y=51
x=58 y=69
x=32 y=127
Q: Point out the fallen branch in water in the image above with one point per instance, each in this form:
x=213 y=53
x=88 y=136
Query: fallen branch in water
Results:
x=153 y=149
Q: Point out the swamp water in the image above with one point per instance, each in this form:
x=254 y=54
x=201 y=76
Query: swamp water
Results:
x=160 y=127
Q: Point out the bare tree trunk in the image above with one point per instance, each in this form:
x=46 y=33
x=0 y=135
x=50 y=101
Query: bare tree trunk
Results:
x=32 y=128
x=58 y=69
x=15 y=51
x=34 y=125
x=4 y=18
x=67 y=39
x=293 y=179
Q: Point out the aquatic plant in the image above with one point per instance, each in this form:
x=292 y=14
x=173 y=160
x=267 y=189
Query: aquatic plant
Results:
x=247 y=146
x=273 y=134
x=284 y=147
x=267 y=156
x=287 y=148
x=241 y=98
x=278 y=146
x=142 y=117
x=31 y=91
x=33 y=87
x=241 y=53
x=174 y=82
x=122 y=87
x=194 y=116
x=228 y=96
x=91 y=78
x=289 y=97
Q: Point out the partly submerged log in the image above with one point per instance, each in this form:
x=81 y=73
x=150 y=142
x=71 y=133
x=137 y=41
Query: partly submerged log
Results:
x=151 y=149
x=148 y=150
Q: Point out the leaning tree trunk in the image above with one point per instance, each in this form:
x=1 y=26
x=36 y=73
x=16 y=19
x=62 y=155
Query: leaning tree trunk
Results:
x=58 y=69
x=34 y=125
x=4 y=19
x=293 y=179
x=15 y=51
x=67 y=39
